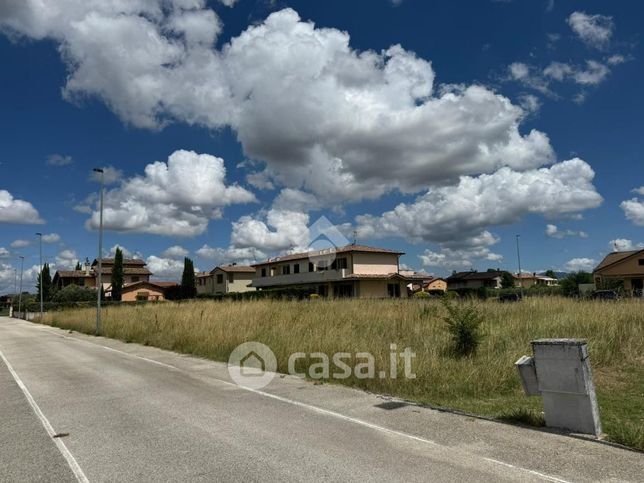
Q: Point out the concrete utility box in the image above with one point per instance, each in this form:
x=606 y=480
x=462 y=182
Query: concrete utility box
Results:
x=528 y=375
x=564 y=380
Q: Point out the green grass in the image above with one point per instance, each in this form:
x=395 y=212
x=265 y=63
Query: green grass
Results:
x=483 y=383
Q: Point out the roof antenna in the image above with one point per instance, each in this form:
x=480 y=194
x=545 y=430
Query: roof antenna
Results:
x=355 y=237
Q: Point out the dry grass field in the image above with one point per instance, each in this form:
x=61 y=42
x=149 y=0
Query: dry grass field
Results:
x=485 y=383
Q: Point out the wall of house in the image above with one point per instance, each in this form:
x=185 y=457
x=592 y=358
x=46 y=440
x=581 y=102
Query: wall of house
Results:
x=240 y=282
x=204 y=285
x=630 y=266
x=437 y=285
x=377 y=289
x=153 y=294
x=374 y=263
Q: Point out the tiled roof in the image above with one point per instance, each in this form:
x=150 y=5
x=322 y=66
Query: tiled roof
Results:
x=321 y=253
x=127 y=271
x=74 y=274
x=474 y=276
x=203 y=274
x=614 y=258
x=236 y=268
x=126 y=261
x=133 y=286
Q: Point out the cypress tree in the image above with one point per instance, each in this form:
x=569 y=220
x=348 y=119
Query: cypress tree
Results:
x=188 y=284
x=78 y=265
x=117 y=275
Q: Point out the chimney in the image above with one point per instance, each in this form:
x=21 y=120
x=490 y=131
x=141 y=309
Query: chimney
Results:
x=234 y=263
x=87 y=267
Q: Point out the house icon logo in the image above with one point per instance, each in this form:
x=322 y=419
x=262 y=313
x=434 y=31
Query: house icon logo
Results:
x=324 y=238
x=252 y=365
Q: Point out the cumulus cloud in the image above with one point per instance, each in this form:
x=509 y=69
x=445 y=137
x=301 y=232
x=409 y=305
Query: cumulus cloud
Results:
x=624 y=245
x=177 y=197
x=111 y=175
x=594 y=30
x=553 y=231
x=66 y=260
x=165 y=268
x=634 y=210
x=7 y=278
x=345 y=114
x=222 y=256
x=4 y=253
x=17 y=211
x=461 y=258
x=59 y=160
x=126 y=253
x=175 y=251
x=20 y=243
x=639 y=191
x=592 y=73
x=580 y=265
x=51 y=238
x=463 y=212
x=281 y=230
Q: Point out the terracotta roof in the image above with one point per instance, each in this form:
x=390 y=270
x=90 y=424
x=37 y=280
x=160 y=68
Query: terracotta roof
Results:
x=74 y=274
x=143 y=283
x=164 y=284
x=474 y=276
x=127 y=271
x=614 y=258
x=321 y=253
x=235 y=268
x=370 y=276
x=203 y=274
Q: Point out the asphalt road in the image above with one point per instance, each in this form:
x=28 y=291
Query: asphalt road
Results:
x=125 y=412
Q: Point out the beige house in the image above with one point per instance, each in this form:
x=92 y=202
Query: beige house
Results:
x=474 y=280
x=81 y=278
x=134 y=270
x=527 y=280
x=225 y=279
x=151 y=291
x=349 y=271
x=626 y=266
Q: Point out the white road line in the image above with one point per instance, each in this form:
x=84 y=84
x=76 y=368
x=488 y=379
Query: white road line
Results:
x=71 y=461
x=320 y=410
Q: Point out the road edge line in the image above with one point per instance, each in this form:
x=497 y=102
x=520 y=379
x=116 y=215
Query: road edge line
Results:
x=69 y=457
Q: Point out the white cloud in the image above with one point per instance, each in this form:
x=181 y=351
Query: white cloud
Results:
x=175 y=251
x=616 y=59
x=111 y=175
x=59 y=160
x=282 y=230
x=344 y=114
x=176 y=198
x=529 y=103
x=553 y=231
x=126 y=253
x=639 y=191
x=165 y=268
x=51 y=238
x=594 y=30
x=222 y=256
x=580 y=265
x=624 y=245
x=463 y=257
x=66 y=260
x=20 y=243
x=461 y=213
x=17 y=211
x=634 y=210
x=4 y=253
x=592 y=74
x=7 y=278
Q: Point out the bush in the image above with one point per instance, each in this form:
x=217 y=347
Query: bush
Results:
x=464 y=325
x=421 y=295
x=74 y=293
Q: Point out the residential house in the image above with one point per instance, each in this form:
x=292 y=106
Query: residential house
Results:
x=424 y=282
x=527 y=280
x=134 y=270
x=85 y=277
x=144 y=290
x=203 y=282
x=436 y=284
x=474 y=280
x=348 y=271
x=232 y=278
x=624 y=266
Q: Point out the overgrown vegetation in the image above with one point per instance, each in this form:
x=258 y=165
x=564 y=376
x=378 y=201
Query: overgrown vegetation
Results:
x=484 y=383
x=464 y=325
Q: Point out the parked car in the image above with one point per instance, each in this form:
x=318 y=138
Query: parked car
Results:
x=605 y=295
x=510 y=297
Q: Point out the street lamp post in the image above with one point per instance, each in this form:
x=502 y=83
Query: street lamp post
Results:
x=99 y=284
x=519 y=260
x=41 y=281
x=22 y=261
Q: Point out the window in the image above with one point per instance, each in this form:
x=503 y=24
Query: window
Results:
x=641 y=262
x=296 y=268
x=342 y=263
x=311 y=267
x=142 y=295
x=220 y=278
x=393 y=289
x=263 y=272
x=286 y=270
x=231 y=278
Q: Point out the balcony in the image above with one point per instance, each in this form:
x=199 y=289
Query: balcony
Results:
x=301 y=278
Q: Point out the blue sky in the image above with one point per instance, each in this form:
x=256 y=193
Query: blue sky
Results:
x=438 y=128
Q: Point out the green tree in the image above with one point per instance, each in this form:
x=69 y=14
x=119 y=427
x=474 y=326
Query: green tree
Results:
x=45 y=276
x=188 y=284
x=78 y=265
x=507 y=280
x=570 y=284
x=74 y=293
x=550 y=273
x=117 y=275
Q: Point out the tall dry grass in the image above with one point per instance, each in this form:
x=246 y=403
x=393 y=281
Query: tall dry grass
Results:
x=485 y=383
